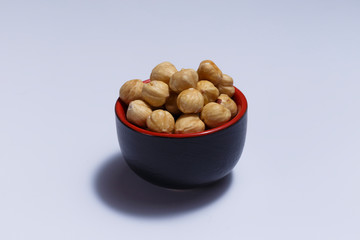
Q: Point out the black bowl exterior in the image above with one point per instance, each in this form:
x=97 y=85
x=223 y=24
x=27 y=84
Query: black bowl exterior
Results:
x=183 y=162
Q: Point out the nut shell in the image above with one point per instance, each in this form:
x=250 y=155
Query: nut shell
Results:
x=131 y=90
x=190 y=101
x=189 y=123
x=208 y=90
x=214 y=114
x=137 y=113
x=163 y=72
x=160 y=121
x=209 y=71
x=183 y=79
x=227 y=102
x=155 y=93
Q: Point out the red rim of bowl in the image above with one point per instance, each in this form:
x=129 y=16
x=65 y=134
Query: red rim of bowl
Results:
x=238 y=97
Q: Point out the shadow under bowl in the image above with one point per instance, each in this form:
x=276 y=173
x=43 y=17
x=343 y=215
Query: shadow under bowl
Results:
x=182 y=161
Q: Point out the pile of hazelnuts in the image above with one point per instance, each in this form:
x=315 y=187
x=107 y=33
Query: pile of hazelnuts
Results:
x=185 y=101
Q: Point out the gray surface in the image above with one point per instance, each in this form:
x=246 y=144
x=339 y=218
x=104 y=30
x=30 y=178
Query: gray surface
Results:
x=62 y=63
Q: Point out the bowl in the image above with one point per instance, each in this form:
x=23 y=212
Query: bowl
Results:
x=181 y=161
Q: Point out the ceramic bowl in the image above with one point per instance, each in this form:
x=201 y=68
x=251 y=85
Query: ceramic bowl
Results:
x=181 y=161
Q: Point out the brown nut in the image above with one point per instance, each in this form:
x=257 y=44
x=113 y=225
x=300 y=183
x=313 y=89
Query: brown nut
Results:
x=227 y=80
x=155 y=93
x=214 y=114
x=208 y=90
x=228 y=90
x=189 y=123
x=137 y=113
x=160 y=121
x=183 y=79
x=163 y=72
x=209 y=71
x=131 y=90
x=226 y=85
x=190 y=101
x=227 y=102
x=171 y=104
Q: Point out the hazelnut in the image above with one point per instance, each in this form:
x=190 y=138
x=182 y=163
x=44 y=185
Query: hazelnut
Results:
x=155 y=93
x=227 y=102
x=131 y=90
x=214 y=114
x=137 y=113
x=226 y=85
x=190 y=101
x=228 y=90
x=171 y=104
x=183 y=79
x=189 y=123
x=208 y=90
x=227 y=80
x=209 y=71
x=160 y=121
x=163 y=72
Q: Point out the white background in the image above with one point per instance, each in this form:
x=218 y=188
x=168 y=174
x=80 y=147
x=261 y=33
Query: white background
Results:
x=62 y=63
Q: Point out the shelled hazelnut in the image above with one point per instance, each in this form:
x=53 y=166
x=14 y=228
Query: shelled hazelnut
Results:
x=209 y=71
x=171 y=104
x=137 y=113
x=190 y=101
x=131 y=90
x=160 y=121
x=208 y=90
x=189 y=123
x=226 y=85
x=227 y=102
x=155 y=93
x=183 y=79
x=214 y=114
x=163 y=72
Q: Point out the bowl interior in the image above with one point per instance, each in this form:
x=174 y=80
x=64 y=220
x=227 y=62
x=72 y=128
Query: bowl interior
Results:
x=239 y=98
